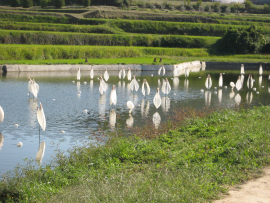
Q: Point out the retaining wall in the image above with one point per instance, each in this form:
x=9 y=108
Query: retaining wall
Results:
x=69 y=67
x=235 y=66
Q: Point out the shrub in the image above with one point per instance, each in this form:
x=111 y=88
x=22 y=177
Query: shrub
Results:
x=249 y=41
x=266 y=7
x=126 y=3
x=207 y=8
x=43 y=3
x=59 y=3
x=201 y=8
x=86 y=3
x=248 y=4
x=228 y=10
x=15 y=3
x=182 y=8
x=27 y=3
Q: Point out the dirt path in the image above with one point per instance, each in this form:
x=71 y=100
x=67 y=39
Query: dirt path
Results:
x=254 y=191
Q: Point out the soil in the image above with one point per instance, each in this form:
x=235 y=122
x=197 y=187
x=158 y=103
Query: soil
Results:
x=254 y=191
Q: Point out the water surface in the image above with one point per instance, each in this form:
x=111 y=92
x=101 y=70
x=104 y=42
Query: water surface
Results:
x=64 y=109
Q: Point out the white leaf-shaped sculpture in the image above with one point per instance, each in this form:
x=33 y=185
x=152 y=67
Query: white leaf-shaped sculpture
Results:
x=157 y=99
x=2 y=114
x=106 y=75
x=166 y=87
x=79 y=74
x=113 y=97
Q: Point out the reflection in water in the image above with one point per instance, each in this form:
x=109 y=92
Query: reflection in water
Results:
x=269 y=89
x=156 y=119
x=119 y=84
x=40 y=152
x=145 y=111
x=159 y=83
x=260 y=81
x=232 y=94
x=123 y=85
x=207 y=98
x=175 y=83
x=219 y=95
x=128 y=88
x=186 y=72
x=32 y=108
x=237 y=99
x=249 y=97
x=250 y=82
x=78 y=86
x=130 y=121
x=165 y=104
x=102 y=106
x=112 y=118
x=91 y=84
x=1 y=140
x=186 y=83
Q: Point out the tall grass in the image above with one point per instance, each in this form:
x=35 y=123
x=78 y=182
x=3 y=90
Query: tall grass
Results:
x=41 y=52
x=194 y=160
x=62 y=38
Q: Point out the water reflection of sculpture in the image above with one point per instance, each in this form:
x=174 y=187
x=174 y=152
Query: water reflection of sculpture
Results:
x=1 y=140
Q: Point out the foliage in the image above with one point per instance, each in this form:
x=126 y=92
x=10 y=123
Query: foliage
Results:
x=242 y=42
x=248 y=4
x=27 y=3
x=193 y=162
x=59 y=3
x=30 y=37
x=43 y=3
x=86 y=3
x=15 y=3
x=44 y=52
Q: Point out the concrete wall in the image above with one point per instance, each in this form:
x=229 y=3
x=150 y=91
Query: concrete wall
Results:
x=235 y=66
x=69 y=67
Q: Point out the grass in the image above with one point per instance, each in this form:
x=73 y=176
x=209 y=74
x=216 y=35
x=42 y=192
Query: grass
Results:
x=193 y=157
x=134 y=60
x=49 y=52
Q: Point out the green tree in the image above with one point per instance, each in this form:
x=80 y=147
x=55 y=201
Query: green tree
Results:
x=15 y=3
x=43 y=3
x=249 y=41
x=59 y=3
x=27 y=3
x=248 y=4
x=86 y=3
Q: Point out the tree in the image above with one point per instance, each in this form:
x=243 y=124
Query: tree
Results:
x=43 y=3
x=86 y=3
x=249 y=41
x=248 y=4
x=27 y=3
x=59 y=3
x=15 y=3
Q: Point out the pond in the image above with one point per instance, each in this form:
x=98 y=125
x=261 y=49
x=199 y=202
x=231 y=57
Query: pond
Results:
x=72 y=118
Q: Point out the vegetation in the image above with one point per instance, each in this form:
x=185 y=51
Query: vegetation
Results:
x=15 y=3
x=41 y=52
x=54 y=38
x=249 y=41
x=194 y=157
x=59 y=3
x=27 y=3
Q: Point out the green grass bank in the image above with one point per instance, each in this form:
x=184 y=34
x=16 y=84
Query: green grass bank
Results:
x=193 y=157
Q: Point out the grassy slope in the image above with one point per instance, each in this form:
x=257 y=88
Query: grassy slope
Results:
x=195 y=161
x=30 y=55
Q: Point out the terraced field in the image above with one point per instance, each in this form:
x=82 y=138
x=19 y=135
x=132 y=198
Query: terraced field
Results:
x=174 y=34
